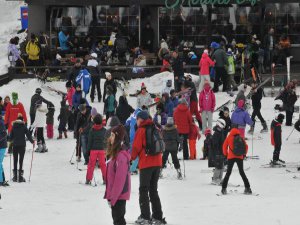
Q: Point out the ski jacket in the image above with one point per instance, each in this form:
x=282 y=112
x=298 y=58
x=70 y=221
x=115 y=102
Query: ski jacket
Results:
x=138 y=148
x=118 y=181
x=113 y=85
x=18 y=133
x=241 y=118
x=11 y=114
x=297 y=125
x=169 y=107
x=205 y=63
x=175 y=101
x=194 y=132
x=93 y=68
x=123 y=110
x=228 y=145
x=160 y=120
x=96 y=139
x=220 y=57
x=207 y=100
x=276 y=133
x=207 y=147
x=83 y=123
x=36 y=98
x=131 y=122
x=14 y=52
x=69 y=96
x=231 y=65
x=63 y=41
x=183 y=119
x=40 y=117
x=50 y=115
x=215 y=155
x=143 y=100
x=171 y=138
x=3 y=134
x=110 y=104
x=256 y=98
x=77 y=98
x=63 y=114
x=228 y=122
x=33 y=50
x=84 y=78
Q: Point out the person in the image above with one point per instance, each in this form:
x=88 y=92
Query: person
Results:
x=69 y=99
x=39 y=124
x=269 y=46
x=194 y=135
x=228 y=151
x=109 y=82
x=172 y=141
x=183 y=121
x=240 y=96
x=168 y=87
x=174 y=98
x=5 y=104
x=3 y=146
x=143 y=99
x=63 y=119
x=124 y=110
x=160 y=117
x=93 y=68
x=207 y=104
x=207 y=145
x=168 y=104
x=17 y=137
x=276 y=138
x=118 y=186
x=240 y=118
x=148 y=37
x=220 y=57
x=166 y=66
x=177 y=66
x=284 y=46
x=149 y=174
x=15 y=54
x=96 y=149
x=36 y=98
x=257 y=94
x=50 y=120
x=2 y=110
x=73 y=73
x=204 y=64
x=63 y=38
x=224 y=114
x=216 y=155
x=231 y=70
x=110 y=103
x=33 y=51
x=84 y=79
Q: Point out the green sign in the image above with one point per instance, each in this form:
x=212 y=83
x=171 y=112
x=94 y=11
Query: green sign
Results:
x=171 y=4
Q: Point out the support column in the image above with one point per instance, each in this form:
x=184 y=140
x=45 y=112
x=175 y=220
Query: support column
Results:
x=36 y=18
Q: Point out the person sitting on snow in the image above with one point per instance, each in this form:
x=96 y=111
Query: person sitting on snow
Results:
x=143 y=99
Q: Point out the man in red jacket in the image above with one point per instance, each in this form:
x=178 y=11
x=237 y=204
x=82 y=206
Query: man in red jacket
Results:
x=149 y=174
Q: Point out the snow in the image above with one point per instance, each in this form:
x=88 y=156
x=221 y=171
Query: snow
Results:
x=54 y=196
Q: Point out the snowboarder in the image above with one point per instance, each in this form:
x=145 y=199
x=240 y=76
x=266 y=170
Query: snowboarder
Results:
x=143 y=99
x=95 y=72
x=276 y=138
x=63 y=119
x=109 y=82
x=194 y=135
x=207 y=147
x=3 y=146
x=124 y=110
x=39 y=124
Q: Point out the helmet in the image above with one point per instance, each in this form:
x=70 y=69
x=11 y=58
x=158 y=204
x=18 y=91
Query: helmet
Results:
x=38 y=91
x=221 y=123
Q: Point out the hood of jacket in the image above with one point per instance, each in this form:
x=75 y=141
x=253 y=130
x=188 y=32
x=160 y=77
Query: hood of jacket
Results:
x=204 y=56
x=182 y=108
x=233 y=132
x=113 y=121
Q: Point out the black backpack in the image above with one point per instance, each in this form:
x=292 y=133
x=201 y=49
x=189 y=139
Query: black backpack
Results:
x=154 y=141
x=239 y=145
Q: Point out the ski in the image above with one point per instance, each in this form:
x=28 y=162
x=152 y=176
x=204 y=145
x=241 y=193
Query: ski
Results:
x=88 y=185
x=259 y=86
x=296 y=177
x=272 y=165
x=292 y=171
x=222 y=106
x=229 y=185
x=236 y=192
x=212 y=170
x=252 y=157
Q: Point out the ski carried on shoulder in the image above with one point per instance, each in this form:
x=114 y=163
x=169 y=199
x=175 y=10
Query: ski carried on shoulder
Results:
x=259 y=86
x=222 y=106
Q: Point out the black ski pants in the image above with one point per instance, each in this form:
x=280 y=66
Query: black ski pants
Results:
x=71 y=121
x=40 y=135
x=185 y=146
x=240 y=164
x=221 y=73
x=289 y=117
x=276 y=152
x=256 y=112
x=148 y=188
x=18 y=153
x=96 y=85
x=174 y=158
x=118 y=212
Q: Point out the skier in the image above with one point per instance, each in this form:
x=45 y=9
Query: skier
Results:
x=257 y=94
x=231 y=70
x=224 y=114
x=149 y=174
x=95 y=72
x=124 y=110
x=39 y=124
x=177 y=66
x=172 y=141
x=62 y=118
x=143 y=99
x=109 y=82
x=36 y=98
x=276 y=138
x=160 y=117
x=168 y=104
x=207 y=147
x=50 y=120
x=194 y=135
x=84 y=79
x=216 y=154
x=69 y=98
x=235 y=143
x=118 y=186
x=17 y=136
x=3 y=146
x=77 y=99
x=110 y=103
x=96 y=149
x=204 y=64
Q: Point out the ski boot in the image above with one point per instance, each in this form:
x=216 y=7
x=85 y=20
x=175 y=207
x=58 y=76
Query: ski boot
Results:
x=281 y=161
x=39 y=148
x=265 y=128
x=15 y=176
x=179 y=174
x=78 y=159
x=142 y=221
x=248 y=191
x=88 y=182
x=65 y=134
x=158 y=222
x=21 y=178
x=59 y=136
x=224 y=191
x=251 y=131
x=45 y=149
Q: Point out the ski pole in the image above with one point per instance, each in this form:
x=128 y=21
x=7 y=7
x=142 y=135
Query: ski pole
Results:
x=10 y=166
x=290 y=134
x=252 y=142
x=33 y=145
x=72 y=157
x=95 y=181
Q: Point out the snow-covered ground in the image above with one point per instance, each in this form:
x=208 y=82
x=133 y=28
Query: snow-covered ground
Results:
x=55 y=197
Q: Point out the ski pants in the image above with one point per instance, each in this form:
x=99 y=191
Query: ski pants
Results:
x=18 y=151
x=289 y=117
x=206 y=120
x=240 y=164
x=256 y=112
x=231 y=81
x=174 y=158
x=32 y=118
x=203 y=78
x=193 y=151
x=185 y=146
x=276 y=153
x=220 y=74
x=96 y=85
x=62 y=127
x=2 y=154
x=118 y=212
x=84 y=143
x=109 y=114
x=71 y=120
x=134 y=165
x=94 y=156
x=218 y=175
x=50 y=132
x=148 y=188
x=40 y=135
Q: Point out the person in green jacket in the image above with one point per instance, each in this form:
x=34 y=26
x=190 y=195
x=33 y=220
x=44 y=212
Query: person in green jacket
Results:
x=231 y=70
x=110 y=103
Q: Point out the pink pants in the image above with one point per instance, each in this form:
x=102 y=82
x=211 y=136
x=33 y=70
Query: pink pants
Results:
x=94 y=156
x=50 y=131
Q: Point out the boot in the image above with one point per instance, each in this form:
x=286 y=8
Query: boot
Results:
x=251 y=131
x=21 y=178
x=265 y=128
x=179 y=174
x=39 y=148
x=15 y=176
x=45 y=149
x=88 y=182
x=59 y=136
x=248 y=191
x=65 y=134
x=224 y=191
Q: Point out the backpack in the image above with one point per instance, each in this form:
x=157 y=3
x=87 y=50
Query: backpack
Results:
x=239 y=145
x=154 y=141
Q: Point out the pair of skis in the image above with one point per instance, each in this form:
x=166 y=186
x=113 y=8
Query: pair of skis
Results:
x=236 y=192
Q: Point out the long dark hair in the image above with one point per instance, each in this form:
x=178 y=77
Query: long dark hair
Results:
x=113 y=149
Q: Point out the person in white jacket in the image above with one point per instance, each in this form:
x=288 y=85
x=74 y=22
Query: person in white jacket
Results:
x=143 y=99
x=39 y=124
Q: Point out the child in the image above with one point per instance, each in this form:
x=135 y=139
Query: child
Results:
x=224 y=114
x=96 y=149
x=39 y=124
x=207 y=148
x=168 y=104
x=50 y=120
x=276 y=138
x=110 y=103
x=194 y=135
x=109 y=82
x=217 y=151
x=62 y=118
x=3 y=146
x=69 y=98
x=174 y=98
x=118 y=186
x=160 y=117
x=172 y=140
x=17 y=136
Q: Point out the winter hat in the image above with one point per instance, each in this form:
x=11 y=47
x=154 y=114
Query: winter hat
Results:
x=172 y=91
x=68 y=84
x=143 y=86
x=207 y=131
x=119 y=132
x=205 y=51
x=38 y=91
x=97 y=119
x=113 y=121
x=107 y=74
x=215 y=45
x=94 y=55
x=221 y=123
x=82 y=107
x=58 y=57
x=94 y=112
x=144 y=115
x=170 y=121
x=280 y=118
x=241 y=103
x=183 y=101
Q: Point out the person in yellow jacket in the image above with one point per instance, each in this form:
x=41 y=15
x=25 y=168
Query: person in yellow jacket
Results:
x=33 y=51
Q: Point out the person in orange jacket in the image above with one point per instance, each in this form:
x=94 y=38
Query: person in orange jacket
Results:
x=228 y=150
x=194 y=135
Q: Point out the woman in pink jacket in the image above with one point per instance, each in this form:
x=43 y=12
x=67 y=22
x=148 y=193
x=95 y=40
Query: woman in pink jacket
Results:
x=207 y=103
x=118 y=175
x=204 y=64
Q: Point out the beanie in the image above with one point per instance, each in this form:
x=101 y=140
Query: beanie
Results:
x=280 y=118
x=97 y=119
x=94 y=112
x=241 y=103
x=144 y=115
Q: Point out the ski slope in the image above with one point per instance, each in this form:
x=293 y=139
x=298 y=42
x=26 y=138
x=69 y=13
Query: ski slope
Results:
x=54 y=196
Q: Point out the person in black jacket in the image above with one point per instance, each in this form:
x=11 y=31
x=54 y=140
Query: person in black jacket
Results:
x=276 y=138
x=74 y=71
x=148 y=37
x=177 y=66
x=3 y=146
x=257 y=94
x=93 y=68
x=17 y=137
x=63 y=119
x=124 y=110
x=172 y=141
x=50 y=120
x=109 y=82
x=96 y=149
x=36 y=98
x=225 y=115
x=207 y=147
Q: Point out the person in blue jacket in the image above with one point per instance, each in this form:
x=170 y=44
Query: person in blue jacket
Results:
x=174 y=98
x=3 y=146
x=84 y=79
x=168 y=104
x=63 y=40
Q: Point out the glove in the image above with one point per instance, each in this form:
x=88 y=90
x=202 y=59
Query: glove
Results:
x=109 y=204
